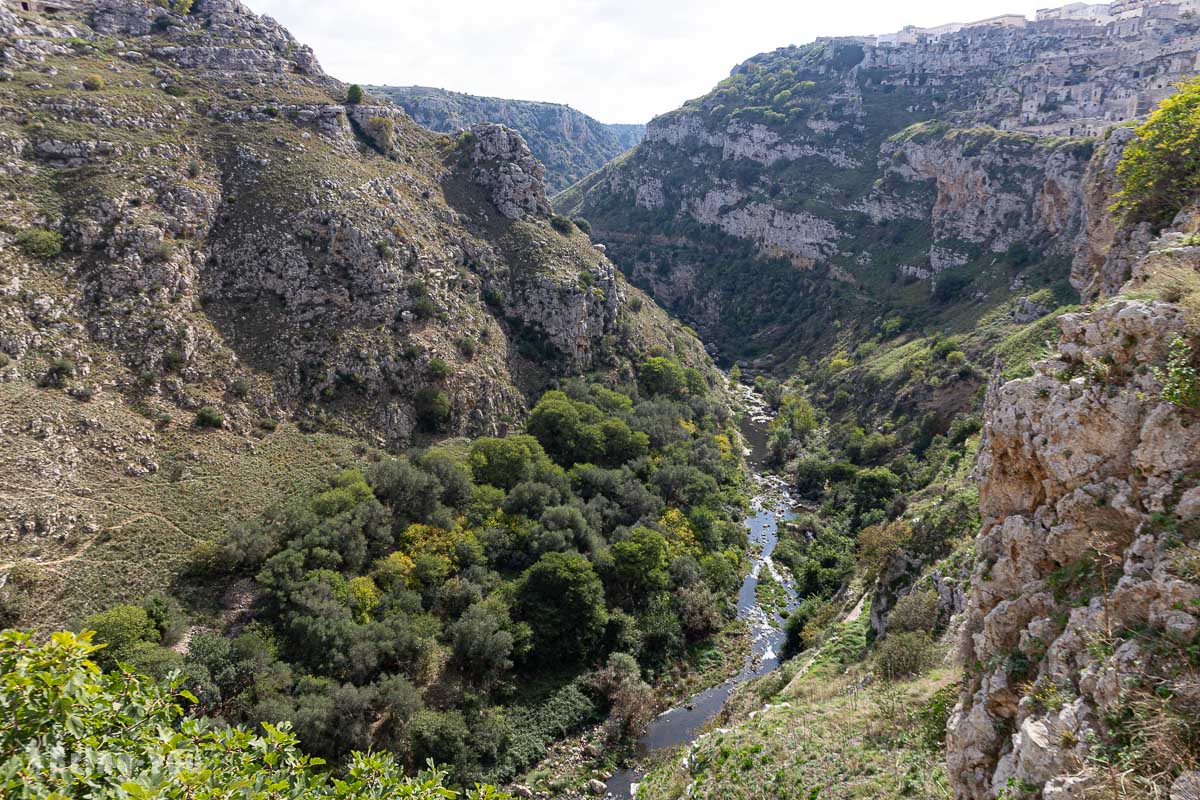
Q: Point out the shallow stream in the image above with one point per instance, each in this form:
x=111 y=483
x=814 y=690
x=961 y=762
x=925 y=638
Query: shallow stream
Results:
x=683 y=723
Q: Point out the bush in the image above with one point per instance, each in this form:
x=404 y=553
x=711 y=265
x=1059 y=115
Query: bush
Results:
x=561 y=224
x=583 y=224
x=354 y=95
x=439 y=370
x=916 y=611
x=119 y=629
x=904 y=654
x=424 y=308
x=60 y=370
x=1180 y=380
x=466 y=347
x=93 y=83
x=40 y=243
x=433 y=409
x=240 y=388
x=209 y=417
x=1160 y=169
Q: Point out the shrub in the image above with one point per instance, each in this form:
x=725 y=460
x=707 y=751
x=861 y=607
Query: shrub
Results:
x=904 y=654
x=424 y=308
x=175 y=90
x=354 y=95
x=493 y=297
x=1180 y=380
x=432 y=408
x=209 y=417
x=439 y=370
x=561 y=224
x=119 y=629
x=240 y=388
x=467 y=347
x=583 y=224
x=93 y=83
x=916 y=611
x=1160 y=168
x=40 y=243
x=60 y=370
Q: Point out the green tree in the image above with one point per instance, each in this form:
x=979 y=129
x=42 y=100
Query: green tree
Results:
x=639 y=567
x=562 y=600
x=1160 y=169
x=118 y=630
x=663 y=376
x=504 y=463
x=354 y=95
x=73 y=731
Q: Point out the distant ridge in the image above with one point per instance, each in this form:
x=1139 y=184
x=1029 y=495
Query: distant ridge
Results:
x=569 y=143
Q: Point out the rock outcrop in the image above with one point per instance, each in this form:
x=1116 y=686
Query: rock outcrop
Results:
x=504 y=164
x=1085 y=598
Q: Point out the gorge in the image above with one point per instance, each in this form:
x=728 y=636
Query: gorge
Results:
x=369 y=420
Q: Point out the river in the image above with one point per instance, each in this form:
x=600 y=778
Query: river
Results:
x=771 y=504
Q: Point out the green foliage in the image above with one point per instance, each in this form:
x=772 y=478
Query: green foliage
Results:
x=485 y=569
x=905 y=653
x=1160 y=169
x=432 y=407
x=40 y=243
x=562 y=600
x=916 y=611
x=93 y=83
x=119 y=630
x=439 y=370
x=1179 y=378
x=562 y=224
x=663 y=376
x=209 y=417
x=74 y=731
x=354 y=95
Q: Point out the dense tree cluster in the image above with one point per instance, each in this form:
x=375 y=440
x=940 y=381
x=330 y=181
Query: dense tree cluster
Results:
x=74 y=731
x=454 y=604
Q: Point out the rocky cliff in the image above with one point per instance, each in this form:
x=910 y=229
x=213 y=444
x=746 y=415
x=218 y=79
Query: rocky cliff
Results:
x=569 y=143
x=1079 y=638
x=216 y=277
x=838 y=183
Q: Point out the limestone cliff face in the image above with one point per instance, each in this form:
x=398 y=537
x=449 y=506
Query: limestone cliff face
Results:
x=224 y=216
x=1085 y=599
x=822 y=181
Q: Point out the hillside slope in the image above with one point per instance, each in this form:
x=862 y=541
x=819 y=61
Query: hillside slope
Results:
x=821 y=190
x=569 y=143
x=219 y=280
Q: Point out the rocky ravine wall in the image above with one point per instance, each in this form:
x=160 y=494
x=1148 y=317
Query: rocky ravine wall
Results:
x=1085 y=591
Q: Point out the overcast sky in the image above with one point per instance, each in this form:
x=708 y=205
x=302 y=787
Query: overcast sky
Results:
x=618 y=60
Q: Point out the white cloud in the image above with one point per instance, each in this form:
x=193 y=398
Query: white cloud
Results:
x=618 y=60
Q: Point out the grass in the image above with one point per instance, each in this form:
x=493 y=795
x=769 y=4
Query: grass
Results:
x=834 y=742
x=110 y=536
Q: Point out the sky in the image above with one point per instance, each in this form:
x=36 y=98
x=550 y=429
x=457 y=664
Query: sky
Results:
x=617 y=60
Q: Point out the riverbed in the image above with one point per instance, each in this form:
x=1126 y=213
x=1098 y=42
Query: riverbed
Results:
x=771 y=505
